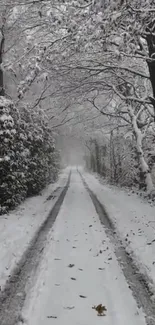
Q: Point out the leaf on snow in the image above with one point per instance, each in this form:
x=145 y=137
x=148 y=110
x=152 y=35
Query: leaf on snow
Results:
x=71 y=265
x=81 y=296
x=100 y=309
x=70 y=307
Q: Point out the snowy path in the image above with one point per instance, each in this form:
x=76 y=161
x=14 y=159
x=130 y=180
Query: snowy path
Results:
x=134 y=220
x=19 y=227
x=78 y=238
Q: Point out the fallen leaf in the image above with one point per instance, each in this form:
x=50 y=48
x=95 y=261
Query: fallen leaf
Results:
x=101 y=268
x=81 y=296
x=52 y=317
x=100 y=309
x=73 y=279
x=80 y=269
x=69 y=308
x=71 y=265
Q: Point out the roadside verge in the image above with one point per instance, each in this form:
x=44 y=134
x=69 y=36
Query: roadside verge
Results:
x=134 y=220
x=19 y=226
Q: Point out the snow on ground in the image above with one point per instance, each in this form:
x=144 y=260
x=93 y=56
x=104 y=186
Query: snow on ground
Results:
x=80 y=270
x=18 y=227
x=134 y=219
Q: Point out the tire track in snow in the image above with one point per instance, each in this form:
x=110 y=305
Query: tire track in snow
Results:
x=13 y=296
x=137 y=282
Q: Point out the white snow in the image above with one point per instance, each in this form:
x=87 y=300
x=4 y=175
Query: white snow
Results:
x=134 y=219
x=73 y=241
x=18 y=228
x=4 y=117
x=5 y=102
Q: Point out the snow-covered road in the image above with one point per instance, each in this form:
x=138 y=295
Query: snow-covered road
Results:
x=79 y=270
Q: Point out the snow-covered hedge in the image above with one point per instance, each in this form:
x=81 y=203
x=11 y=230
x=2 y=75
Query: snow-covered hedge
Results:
x=28 y=158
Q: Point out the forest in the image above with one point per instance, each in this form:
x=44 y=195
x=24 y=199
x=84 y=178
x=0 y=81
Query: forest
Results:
x=80 y=68
x=77 y=162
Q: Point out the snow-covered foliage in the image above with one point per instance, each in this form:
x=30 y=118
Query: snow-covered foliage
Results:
x=28 y=158
x=114 y=54
x=76 y=51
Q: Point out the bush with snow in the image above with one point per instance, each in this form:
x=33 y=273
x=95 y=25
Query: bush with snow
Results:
x=28 y=158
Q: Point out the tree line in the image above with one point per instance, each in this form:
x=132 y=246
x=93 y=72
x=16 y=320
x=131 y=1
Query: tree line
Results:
x=94 y=53
x=29 y=159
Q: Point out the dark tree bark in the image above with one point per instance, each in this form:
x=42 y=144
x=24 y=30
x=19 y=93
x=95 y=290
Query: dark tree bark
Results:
x=97 y=157
x=151 y=62
x=2 y=40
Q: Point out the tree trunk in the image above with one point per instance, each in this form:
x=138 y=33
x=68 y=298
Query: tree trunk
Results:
x=143 y=164
x=151 y=62
x=2 y=40
x=111 y=157
x=119 y=160
x=97 y=156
